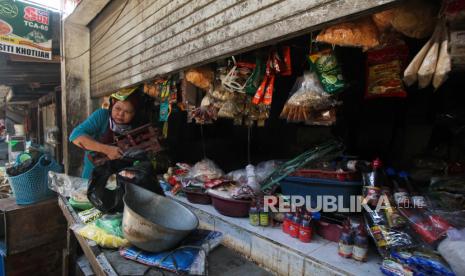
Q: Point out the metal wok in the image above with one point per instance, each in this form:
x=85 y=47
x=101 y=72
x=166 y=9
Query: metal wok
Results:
x=155 y=223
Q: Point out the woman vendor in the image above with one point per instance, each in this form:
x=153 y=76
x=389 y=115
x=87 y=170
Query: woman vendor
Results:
x=96 y=133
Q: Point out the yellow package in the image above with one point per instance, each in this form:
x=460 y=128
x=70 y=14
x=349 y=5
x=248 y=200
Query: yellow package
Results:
x=92 y=232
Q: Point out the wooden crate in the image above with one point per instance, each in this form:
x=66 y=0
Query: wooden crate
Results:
x=23 y=227
x=41 y=260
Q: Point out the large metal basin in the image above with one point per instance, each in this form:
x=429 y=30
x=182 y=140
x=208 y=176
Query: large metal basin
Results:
x=155 y=223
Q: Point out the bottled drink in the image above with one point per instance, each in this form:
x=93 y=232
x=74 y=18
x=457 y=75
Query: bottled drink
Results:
x=346 y=244
x=294 y=227
x=254 y=217
x=264 y=217
x=305 y=230
x=287 y=222
x=356 y=166
x=360 y=248
x=372 y=183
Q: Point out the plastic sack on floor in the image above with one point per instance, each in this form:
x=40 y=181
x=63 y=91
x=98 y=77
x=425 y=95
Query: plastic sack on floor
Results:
x=111 y=224
x=64 y=184
x=102 y=238
x=451 y=249
x=190 y=257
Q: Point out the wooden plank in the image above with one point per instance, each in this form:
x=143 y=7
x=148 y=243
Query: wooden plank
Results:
x=97 y=259
x=160 y=33
x=262 y=16
x=150 y=16
x=292 y=26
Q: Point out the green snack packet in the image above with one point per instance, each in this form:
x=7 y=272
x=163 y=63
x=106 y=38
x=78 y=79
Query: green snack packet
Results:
x=112 y=224
x=80 y=205
x=325 y=64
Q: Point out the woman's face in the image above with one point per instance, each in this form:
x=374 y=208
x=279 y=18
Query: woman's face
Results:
x=123 y=112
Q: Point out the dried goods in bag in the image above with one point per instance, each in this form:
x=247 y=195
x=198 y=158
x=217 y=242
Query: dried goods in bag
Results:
x=384 y=69
x=411 y=73
x=329 y=72
x=383 y=19
x=428 y=66
x=443 y=66
x=201 y=77
x=416 y=18
x=359 y=33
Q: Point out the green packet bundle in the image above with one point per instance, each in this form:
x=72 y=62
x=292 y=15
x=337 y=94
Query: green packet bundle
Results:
x=112 y=224
x=80 y=205
x=326 y=66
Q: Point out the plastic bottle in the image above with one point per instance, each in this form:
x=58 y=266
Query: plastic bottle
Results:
x=346 y=245
x=287 y=222
x=372 y=183
x=360 y=248
x=294 y=227
x=254 y=215
x=305 y=230
x=264 y=217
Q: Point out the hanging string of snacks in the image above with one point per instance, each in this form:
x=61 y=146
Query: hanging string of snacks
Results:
x=327 y=68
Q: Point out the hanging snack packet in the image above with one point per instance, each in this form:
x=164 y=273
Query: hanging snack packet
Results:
x=328 y=70
x=384 y=70
x=358 y=33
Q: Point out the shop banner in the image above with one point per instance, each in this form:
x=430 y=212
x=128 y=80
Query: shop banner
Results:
x=25 y=30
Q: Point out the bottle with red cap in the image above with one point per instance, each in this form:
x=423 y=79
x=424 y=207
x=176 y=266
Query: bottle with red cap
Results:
x=287 y=222
x=305 y=229
x=372 y=183
x=294 y=226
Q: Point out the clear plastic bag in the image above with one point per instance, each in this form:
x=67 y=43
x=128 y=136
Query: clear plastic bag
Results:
x=103 y=239
x=206 y=170
x=308 y=96
x=64 y=184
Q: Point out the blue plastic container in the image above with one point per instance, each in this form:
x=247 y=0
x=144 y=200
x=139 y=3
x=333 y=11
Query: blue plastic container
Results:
x=32 y=186
x=314 y=187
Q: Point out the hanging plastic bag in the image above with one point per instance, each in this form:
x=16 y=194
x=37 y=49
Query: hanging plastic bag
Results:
x=308 y=95
x=103 y=239
x=428 y=66
x=358 y=33
x=325 y=64
x=384 y=69
x=443 y=66
x=202 y=77
x=416 y=18
x=383 y=19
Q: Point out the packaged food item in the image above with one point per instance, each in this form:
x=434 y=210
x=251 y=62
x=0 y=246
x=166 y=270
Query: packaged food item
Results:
x=89 y=215
x=92 y=232
x=306 y=100
x=325 y=64
x=384 y=69
x=345 y=245
x=383 y=19
x=411 y=72
x=359 y=33
x=201 y=77
x=392 y=267
x=111 y=224
x=423 y=260
x=416 y=18
x=428 y=66
x=443 y=65
x=205 y=171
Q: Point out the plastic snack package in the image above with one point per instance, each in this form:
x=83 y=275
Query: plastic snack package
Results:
x=428 y=66
x=384 y=68
x=205 y=171
x=103 y=239
x=202 y=77
x=443 y=67
x=111 y=224
x=359 y=33
x=329 y=72
x=416 y=18
x=383 y=19
x=89 y=215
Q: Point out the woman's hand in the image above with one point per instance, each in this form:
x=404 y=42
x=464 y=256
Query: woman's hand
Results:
x=113 y=152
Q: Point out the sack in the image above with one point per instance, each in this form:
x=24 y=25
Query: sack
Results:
x=358 y=33
x=416 y=18
x=428 y=66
